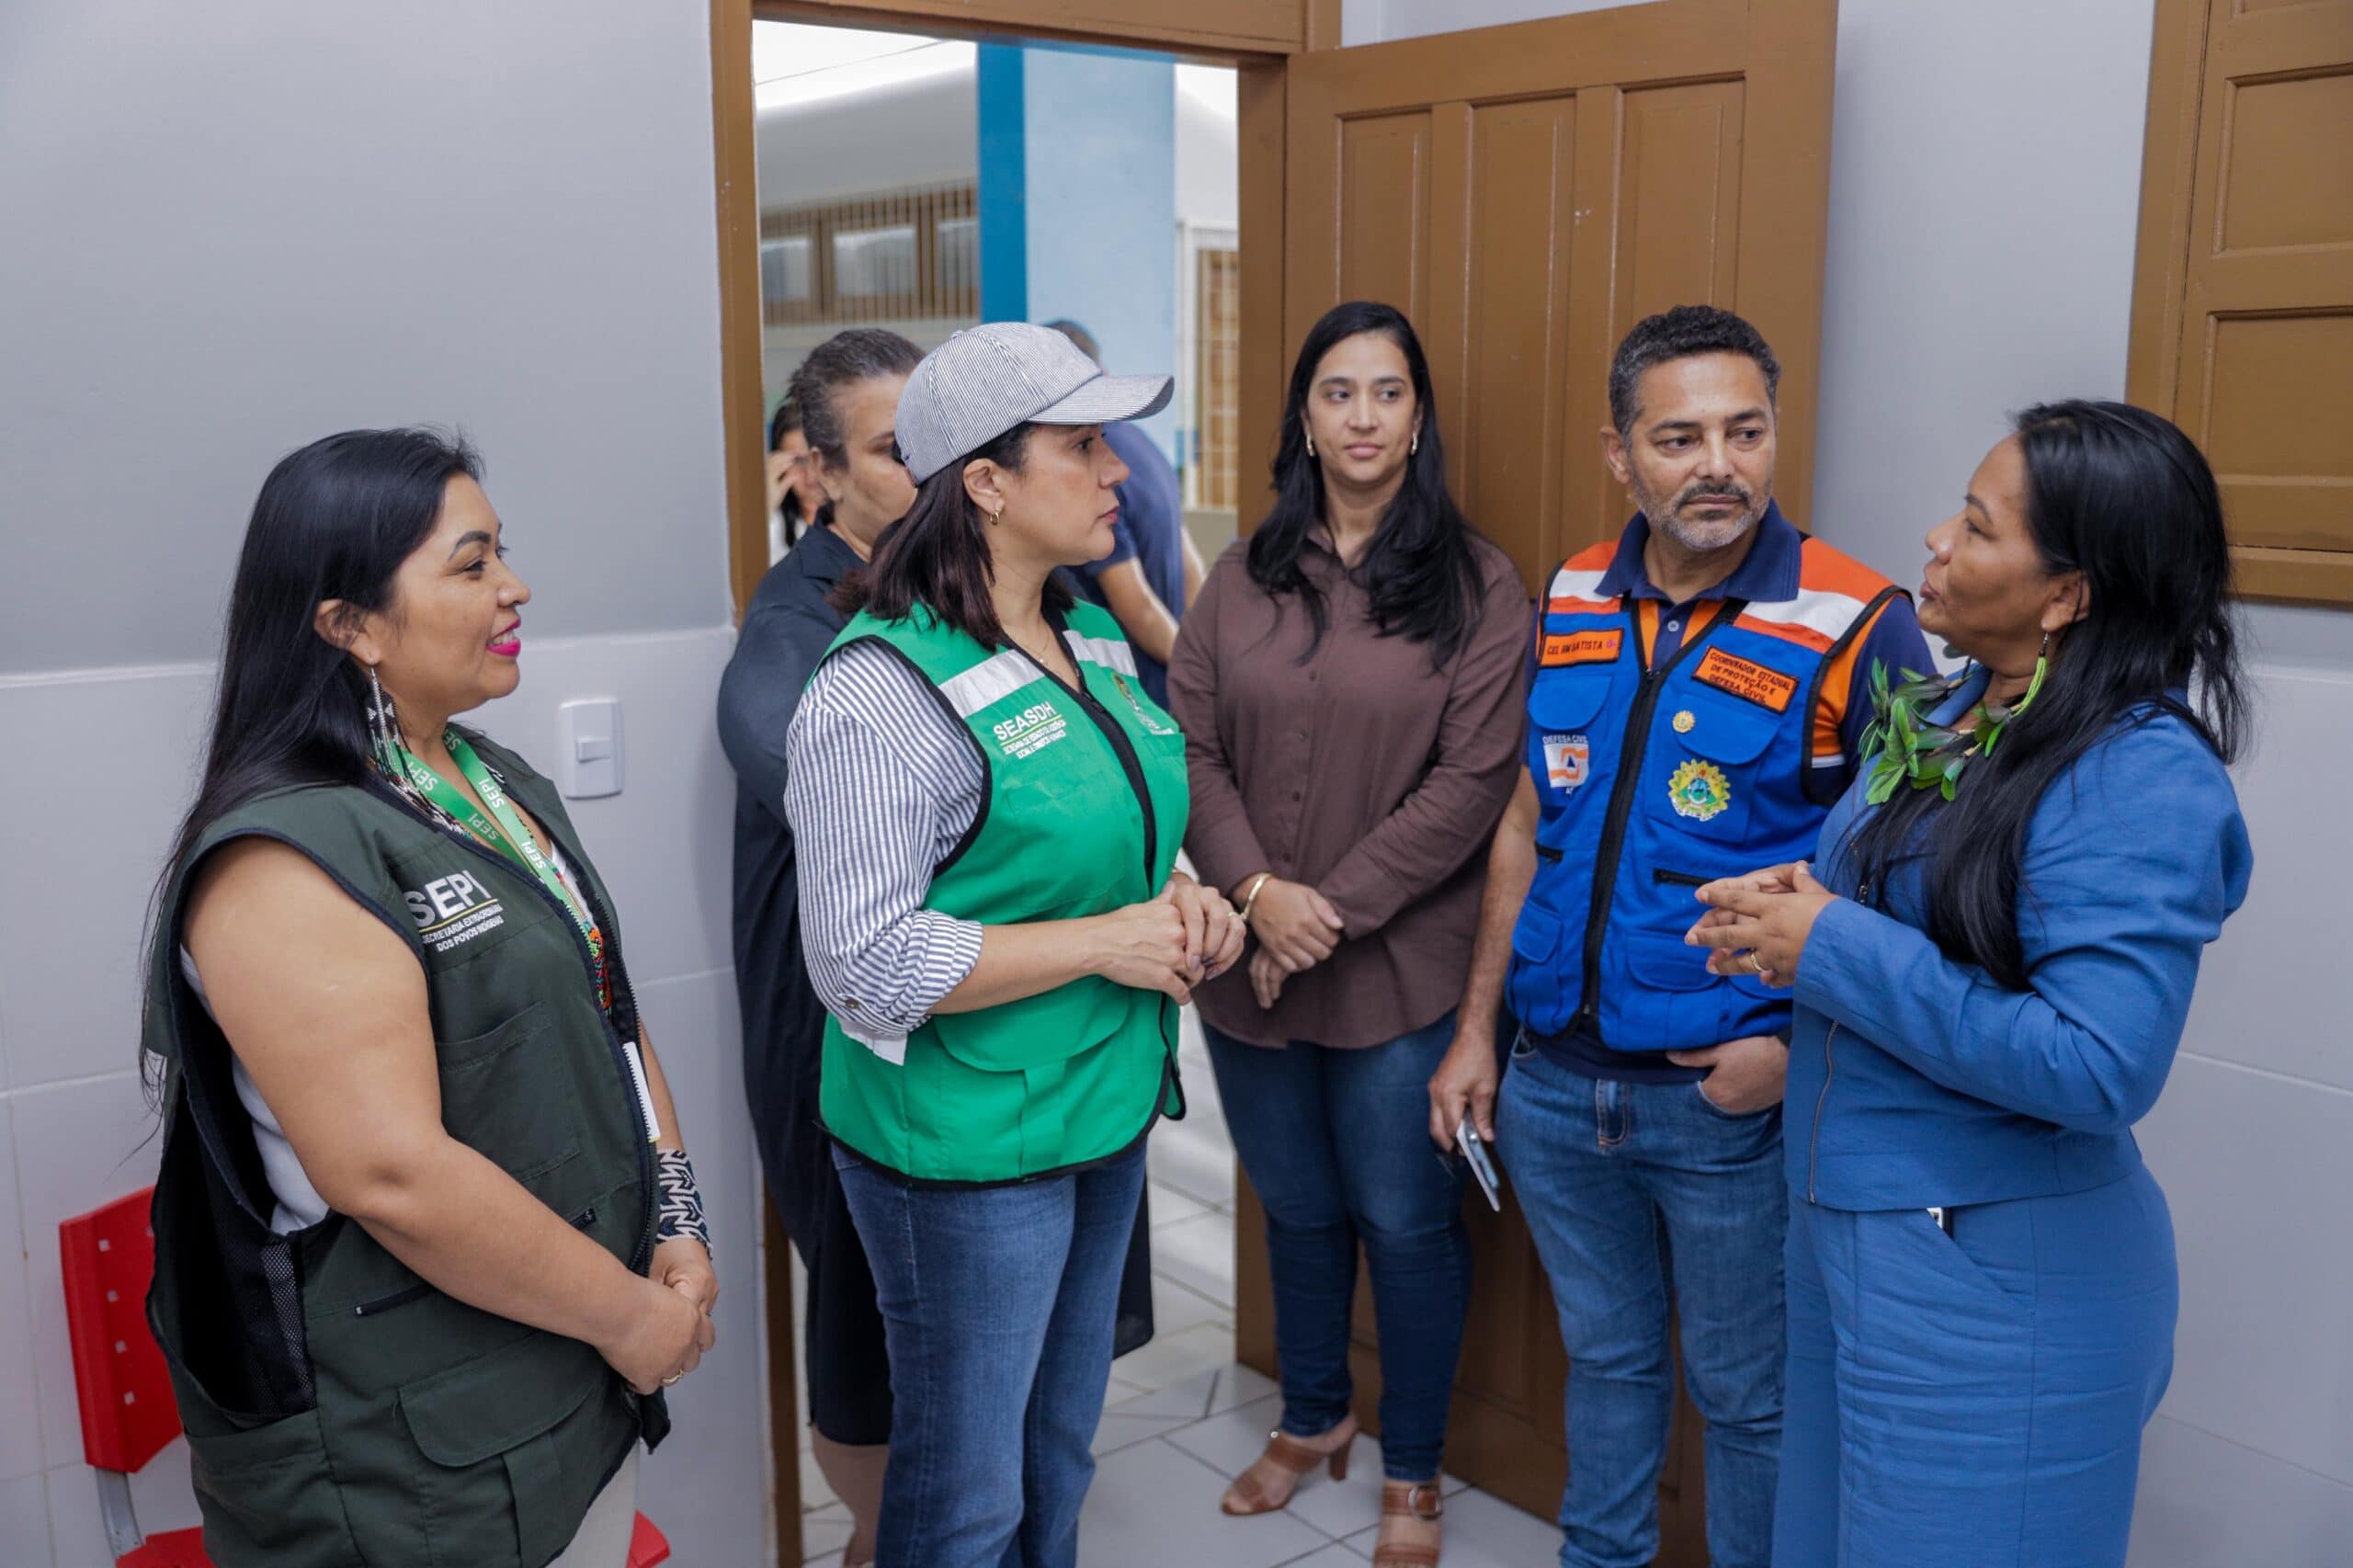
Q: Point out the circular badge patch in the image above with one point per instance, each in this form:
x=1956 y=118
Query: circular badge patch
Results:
x=1699 y=791
x=1683 y=722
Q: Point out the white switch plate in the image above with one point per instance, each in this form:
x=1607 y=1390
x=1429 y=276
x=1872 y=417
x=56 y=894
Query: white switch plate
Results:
x=588 y=748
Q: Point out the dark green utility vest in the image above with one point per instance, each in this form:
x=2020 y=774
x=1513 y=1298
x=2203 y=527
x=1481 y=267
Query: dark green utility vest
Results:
x=340 y=1411
x=1083 y=810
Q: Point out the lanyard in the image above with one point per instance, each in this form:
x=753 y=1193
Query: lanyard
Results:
x=503 y=831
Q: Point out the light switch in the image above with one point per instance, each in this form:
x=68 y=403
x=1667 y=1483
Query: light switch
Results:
x=588 y=748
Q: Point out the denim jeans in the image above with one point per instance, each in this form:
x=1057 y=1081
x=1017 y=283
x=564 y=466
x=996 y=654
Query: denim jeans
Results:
x=998 y=1303
x=1643 y=1199
x=1337 y=1146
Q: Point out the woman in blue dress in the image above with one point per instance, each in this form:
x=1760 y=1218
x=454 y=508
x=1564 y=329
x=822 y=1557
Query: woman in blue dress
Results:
x=1991 y=975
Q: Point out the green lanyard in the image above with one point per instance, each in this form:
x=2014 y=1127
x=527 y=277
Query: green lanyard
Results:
x=503 y=831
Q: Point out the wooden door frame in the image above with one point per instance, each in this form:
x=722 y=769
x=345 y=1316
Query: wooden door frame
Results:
x=1259 y=57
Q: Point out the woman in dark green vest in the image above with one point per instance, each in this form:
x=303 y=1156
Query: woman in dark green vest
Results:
x=987 y=809
x=428 y=1247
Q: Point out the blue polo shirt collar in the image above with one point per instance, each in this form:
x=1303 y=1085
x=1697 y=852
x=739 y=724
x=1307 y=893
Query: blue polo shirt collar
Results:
x=1768 y=575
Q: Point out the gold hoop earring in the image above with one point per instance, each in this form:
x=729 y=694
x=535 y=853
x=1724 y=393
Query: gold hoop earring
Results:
x=1311 y=445
x=1415 y=449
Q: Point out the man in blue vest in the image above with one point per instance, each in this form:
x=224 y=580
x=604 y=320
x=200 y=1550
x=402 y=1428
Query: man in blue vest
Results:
x=1699 y=692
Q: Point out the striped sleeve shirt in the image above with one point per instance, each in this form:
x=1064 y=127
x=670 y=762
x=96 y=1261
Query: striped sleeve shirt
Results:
x=881 y=786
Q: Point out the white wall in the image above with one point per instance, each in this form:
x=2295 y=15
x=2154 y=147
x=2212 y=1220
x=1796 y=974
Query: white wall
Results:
x=918 y=132
x=231 y=231
x=1984 y=185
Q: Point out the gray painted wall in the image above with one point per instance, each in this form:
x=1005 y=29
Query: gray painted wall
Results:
x=1985 y=184
x=231 y=236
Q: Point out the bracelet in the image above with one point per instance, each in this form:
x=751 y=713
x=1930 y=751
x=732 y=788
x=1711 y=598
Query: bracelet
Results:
x=1252 y=897
x=680 y=1213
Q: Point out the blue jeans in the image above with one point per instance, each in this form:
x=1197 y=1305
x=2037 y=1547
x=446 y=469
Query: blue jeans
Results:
x=1643 y=1199
x=1336 y=1144
x=998 y=1303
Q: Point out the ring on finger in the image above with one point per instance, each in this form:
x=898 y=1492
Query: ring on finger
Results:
x=671 y=1379
x=1754 y=963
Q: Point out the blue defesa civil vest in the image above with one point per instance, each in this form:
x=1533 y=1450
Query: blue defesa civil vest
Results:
x=1653 y=781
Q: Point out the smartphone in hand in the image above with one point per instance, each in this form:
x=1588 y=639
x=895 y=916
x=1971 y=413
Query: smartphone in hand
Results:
x=1482 y=1164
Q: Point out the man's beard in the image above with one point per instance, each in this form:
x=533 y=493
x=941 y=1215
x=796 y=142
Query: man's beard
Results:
x=1703 y=536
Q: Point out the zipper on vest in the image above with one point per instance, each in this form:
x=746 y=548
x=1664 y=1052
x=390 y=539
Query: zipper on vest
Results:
x=1121 y=748
x=1631 y=750
x=1662 y=877
x=644 y=1253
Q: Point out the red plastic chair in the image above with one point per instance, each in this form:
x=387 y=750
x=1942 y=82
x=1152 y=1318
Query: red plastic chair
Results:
x=128 y=1416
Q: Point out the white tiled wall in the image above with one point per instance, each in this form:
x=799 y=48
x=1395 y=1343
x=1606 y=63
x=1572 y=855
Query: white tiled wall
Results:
x=76 y=1130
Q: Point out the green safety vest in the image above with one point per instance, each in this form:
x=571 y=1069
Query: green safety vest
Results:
x=339 y=1410
x=1082 y=813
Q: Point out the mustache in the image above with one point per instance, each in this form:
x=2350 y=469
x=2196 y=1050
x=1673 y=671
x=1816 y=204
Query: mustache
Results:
x=1739 y=492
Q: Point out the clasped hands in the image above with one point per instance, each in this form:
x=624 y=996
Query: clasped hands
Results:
x=1758 y=925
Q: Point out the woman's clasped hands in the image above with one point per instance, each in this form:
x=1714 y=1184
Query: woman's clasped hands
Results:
x=1758 y=925
x=1172 y=942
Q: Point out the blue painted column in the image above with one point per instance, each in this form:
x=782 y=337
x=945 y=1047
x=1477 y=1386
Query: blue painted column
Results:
x=1083 y=222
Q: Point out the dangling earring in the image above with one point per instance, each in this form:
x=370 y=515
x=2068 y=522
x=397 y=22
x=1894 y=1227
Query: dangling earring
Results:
x=1310 y=443
x=1415 y=449
x=2042 y=668
x=384 y=730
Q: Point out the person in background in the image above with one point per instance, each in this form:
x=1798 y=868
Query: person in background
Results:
x=1991 y=975
x=844 y=397
x=987 y=810
x=792 y=497
x=1349 y=687
x=1152 y=573
x=427 y=1245
x=1697 y=703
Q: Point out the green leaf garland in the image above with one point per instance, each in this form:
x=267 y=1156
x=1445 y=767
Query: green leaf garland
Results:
x=1903 y=743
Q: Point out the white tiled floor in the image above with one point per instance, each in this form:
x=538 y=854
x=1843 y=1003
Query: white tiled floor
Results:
x=1181 y=1418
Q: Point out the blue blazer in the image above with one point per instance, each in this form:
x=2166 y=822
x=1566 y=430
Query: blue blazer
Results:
x=1915 y=1080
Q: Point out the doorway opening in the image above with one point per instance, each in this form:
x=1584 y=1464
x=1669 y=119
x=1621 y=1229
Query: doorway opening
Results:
x=919 y=184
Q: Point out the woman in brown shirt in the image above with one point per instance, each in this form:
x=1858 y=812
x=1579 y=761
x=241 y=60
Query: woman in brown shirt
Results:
x=1349 y=686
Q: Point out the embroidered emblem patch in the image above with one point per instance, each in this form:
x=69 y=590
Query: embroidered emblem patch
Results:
x=1685 y=721
x=1699 y=791
x=1581 y=648
x=1746 y=678
x=1566 y=758
x=1150 y=725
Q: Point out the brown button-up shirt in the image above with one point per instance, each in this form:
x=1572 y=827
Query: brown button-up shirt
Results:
x=1360 y=770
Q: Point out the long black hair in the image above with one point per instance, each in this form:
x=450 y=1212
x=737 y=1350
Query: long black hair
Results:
x=937 y=555
x=333 y=521
x=2121 y=495
x=1419 y=572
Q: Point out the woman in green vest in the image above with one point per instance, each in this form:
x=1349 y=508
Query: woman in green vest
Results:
x=987 y=809
x=428 y=1247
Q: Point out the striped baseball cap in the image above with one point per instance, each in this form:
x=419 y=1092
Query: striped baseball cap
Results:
x=985 y=379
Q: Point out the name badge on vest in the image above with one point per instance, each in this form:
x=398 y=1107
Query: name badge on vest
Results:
x=1581 y=648
x=1746 y=678
x=1566 y=760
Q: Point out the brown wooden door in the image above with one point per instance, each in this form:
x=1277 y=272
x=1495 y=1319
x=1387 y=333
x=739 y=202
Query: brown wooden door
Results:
x=2243 y=314
x=1525 y=193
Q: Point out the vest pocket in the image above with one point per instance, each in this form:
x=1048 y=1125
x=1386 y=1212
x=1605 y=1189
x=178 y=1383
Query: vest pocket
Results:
x=502 y=1484
x=505 y=1094
x=1683 y=1004
x=267 y=1494
x=1703 y=775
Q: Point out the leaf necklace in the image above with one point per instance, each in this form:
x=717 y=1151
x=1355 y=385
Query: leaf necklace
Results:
x=1903 y=743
